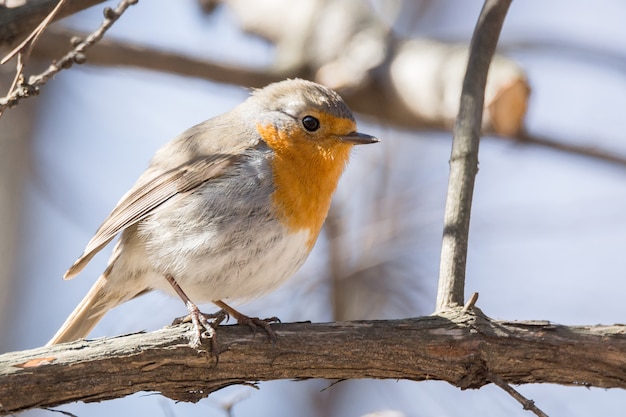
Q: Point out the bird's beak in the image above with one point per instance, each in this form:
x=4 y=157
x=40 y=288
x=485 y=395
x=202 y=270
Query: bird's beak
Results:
x=358 y=138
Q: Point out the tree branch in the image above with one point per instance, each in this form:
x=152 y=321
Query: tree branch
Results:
x=462 y=349
x=464 y=158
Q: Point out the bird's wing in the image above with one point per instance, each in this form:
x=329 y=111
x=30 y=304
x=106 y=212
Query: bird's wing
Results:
x=147 y=195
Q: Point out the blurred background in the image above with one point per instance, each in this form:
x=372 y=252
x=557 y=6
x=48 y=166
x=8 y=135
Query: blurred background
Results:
x=548 y=228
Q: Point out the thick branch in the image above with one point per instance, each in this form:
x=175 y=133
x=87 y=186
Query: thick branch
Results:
x=464 y=158
x=461 y=349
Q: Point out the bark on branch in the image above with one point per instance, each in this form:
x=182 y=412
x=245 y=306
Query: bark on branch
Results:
x=462 y=349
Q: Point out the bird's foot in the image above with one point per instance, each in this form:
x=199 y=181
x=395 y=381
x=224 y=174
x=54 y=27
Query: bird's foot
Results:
x=253 y=322
x=204 y=326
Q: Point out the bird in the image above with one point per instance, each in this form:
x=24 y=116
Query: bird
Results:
x=228 y=210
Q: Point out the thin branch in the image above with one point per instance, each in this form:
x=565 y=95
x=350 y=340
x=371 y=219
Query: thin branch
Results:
x=27 y=44
x=76 y=55
x=462 y=349
x=470 y=303
x=23 y=50
x=18 y=21
x=526 y=403
x=464 y=158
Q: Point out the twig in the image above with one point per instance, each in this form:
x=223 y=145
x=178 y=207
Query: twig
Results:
x=65 y=413
x=27 y=44
x=526 y=403
x=23 y=50
x=470 y=303
x=76 y=55
x=464 y=157
x=17 y=22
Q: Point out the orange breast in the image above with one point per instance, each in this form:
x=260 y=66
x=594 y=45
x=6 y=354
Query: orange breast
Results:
x=306 y=173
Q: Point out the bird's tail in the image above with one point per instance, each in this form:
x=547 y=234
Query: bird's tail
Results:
x=87 y=314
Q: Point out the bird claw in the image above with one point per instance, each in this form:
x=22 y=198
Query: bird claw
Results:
x=204 y=326
x=218 y=318
x=255 y=323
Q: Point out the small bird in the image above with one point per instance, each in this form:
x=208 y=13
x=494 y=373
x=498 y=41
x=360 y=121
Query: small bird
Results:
x=228 y=210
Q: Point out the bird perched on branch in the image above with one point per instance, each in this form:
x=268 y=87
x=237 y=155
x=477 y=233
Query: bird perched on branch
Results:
x=228 y=210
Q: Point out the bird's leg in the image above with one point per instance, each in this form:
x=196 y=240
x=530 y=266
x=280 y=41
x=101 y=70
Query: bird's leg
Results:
x=200 y=320
x=253 y=322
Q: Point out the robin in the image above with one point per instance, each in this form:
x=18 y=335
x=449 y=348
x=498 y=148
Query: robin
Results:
x=228 y=210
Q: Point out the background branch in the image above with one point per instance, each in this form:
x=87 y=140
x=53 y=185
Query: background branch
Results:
x=504 y=109
x=587 y=151
x=115 y=53
x=110 y=52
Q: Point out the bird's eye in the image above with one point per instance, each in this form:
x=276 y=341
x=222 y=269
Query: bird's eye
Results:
x=310 y=123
